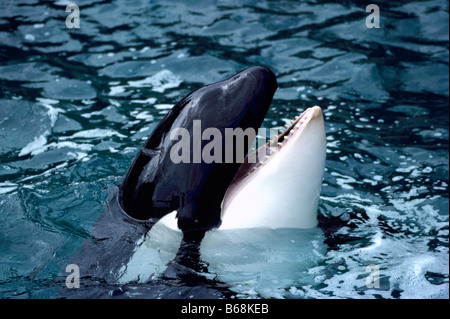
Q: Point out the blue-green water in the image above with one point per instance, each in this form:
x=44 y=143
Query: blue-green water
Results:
x=76 y=104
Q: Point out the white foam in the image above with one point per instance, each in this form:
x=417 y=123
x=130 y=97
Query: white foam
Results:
x=403 y=268
x=46 y=173
x=408 y=169
x=30 y=37
x=94 y=133
x=144 y=115
x=115 y=90
x=150 y=100
x=47 y=101
x=51 y=111
x=344 y=181
x=160 y=81
x=35 y=147
x=6 y=187
x=163 y=106
x=78 y=155
x=403 y=260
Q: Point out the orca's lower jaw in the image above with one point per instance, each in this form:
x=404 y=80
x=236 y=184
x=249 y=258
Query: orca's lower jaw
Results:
x=279 y=184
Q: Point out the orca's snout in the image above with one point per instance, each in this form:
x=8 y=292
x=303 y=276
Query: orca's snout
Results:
x=260 y=71
x=264 y=76
x=249 y=94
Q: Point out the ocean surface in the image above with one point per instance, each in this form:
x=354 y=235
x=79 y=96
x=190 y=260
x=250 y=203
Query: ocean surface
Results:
x=77 y=103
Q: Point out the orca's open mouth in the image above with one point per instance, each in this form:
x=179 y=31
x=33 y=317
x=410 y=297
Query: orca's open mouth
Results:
x=268 y=151
x=296 y=127
x=279 y=184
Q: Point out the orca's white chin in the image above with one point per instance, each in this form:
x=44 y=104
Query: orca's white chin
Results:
x=282 y=188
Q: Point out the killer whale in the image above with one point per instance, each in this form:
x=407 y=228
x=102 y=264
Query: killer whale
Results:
x=180 y=203
x=154 y=187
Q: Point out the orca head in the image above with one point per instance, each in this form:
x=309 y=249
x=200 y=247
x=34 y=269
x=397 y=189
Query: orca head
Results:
x=279 y=184
x=155 y=185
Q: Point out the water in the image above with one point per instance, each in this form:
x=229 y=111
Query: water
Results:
x=76 y=104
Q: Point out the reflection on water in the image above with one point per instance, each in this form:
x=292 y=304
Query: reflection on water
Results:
x=75 y=104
